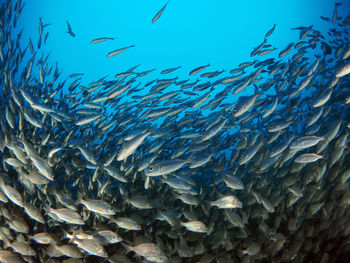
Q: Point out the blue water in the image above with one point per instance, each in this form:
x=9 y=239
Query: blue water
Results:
x=188 y=34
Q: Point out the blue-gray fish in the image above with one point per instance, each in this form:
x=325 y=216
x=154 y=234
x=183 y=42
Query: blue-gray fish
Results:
x=165 y=167
x=118 y=51
x=129 y=147
x=159 y=13
x=308 y=158
x=305 y=142
x=101 y=39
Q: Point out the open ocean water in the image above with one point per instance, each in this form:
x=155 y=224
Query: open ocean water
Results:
x=174 y=131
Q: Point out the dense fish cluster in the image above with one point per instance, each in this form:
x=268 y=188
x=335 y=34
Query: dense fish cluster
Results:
x=173 y=170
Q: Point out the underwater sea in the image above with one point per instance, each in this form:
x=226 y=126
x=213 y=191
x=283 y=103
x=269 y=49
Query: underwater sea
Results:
x=174 y=131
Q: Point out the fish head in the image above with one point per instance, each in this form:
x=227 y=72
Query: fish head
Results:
x=101 y=252
x=153 y=170
x=272 y=127
x=205 y=135
x=239 y=109
x=121 y=155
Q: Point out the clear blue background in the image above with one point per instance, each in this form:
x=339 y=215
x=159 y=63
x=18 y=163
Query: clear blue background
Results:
x=190 y=33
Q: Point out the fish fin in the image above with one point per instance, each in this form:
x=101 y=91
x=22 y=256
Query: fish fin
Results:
x=79 y=198
x=127 y=247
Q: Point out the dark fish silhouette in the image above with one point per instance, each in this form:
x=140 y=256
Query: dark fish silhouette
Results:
x=70 y=29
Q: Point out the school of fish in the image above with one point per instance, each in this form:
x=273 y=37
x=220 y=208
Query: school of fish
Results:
x=193 y=171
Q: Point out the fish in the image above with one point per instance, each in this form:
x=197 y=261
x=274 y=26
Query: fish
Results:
x=101 y=39
x=305 y=142
x=244 y=104
x=130 y=146
x=269 y=33
x=308 y=158
x=91 y=246
x=233 y=182
x=118 y=51
x=149 y=251
x=195 y=226
x=159 y=13
x=343 y=70
x=170 y=70
x=66 y=215
x=165 y=167
x=97 y=206
x=198 y=69
x=70 y=32
x=228 y=201
x=127 y=223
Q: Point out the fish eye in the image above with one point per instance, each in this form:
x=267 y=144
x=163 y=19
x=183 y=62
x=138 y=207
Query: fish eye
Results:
x=203 y=133
x=293 y=142
x=151 y=168
x=235 y=109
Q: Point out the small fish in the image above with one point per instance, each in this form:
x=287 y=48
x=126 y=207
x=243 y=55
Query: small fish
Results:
x=91 y=246
x=118 y=51
x=305 y=142
x=101 y=39
x=197 y=70
x=151 y=252
x=12 y=194
x=167 y=71
x=42 y=238
x=213 y=130
x=67 y=215
x=343 y=70
x=244 y=104
x=233 y=182
x=165 y=167
x=159 y=13
x=252 y=249
x=70 y=29
x=269 y=33
x=97 y=206
x=129 y=147
x=228 y=201
x=127 y=223
x=195 y=226
x=106 y=237
x=308 y=158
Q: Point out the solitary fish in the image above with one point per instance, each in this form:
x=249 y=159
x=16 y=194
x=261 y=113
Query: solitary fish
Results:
x=118 y=51
x=160 y=12
x=70 y=29
x=101 y=39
